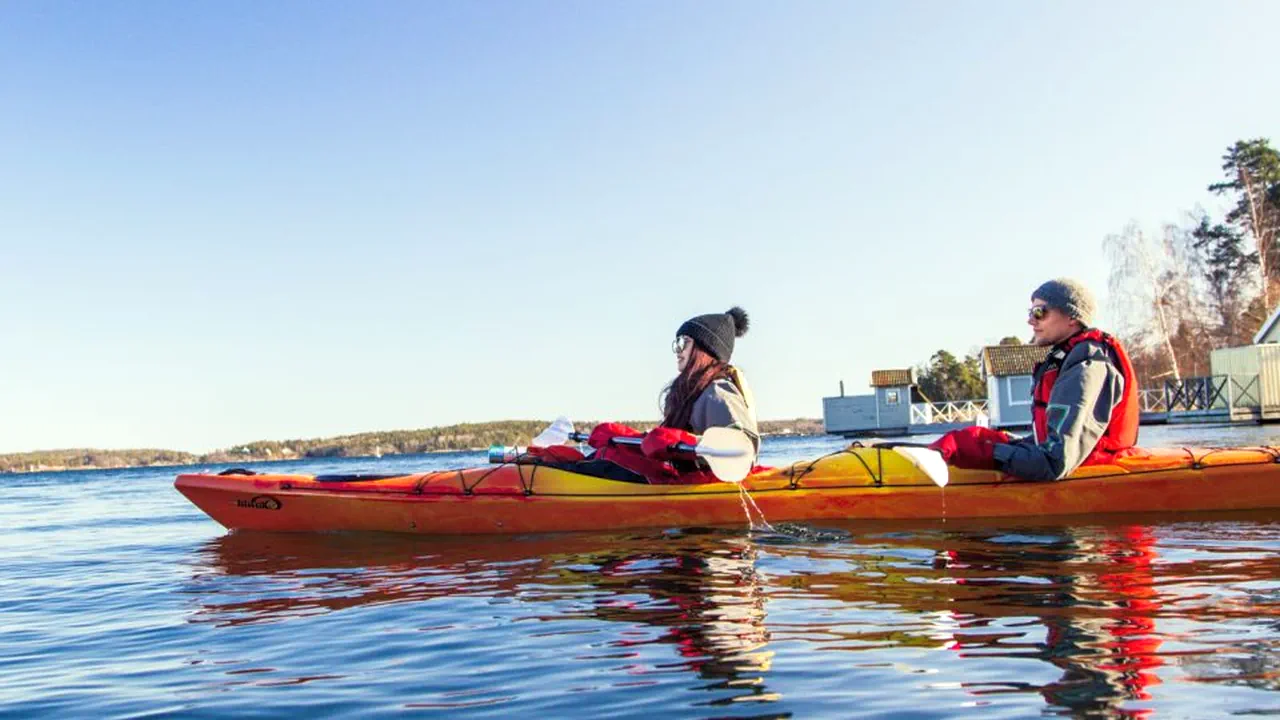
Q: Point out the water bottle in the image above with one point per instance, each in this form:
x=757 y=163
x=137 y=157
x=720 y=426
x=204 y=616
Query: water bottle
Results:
x=505 y=453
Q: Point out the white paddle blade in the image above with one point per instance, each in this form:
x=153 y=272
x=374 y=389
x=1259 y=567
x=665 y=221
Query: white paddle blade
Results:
x=557 y=433
x=929 y=462
x=728 y=452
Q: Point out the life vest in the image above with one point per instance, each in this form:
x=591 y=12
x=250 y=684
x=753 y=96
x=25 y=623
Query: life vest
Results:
x=740 y=381
x=1122 y=431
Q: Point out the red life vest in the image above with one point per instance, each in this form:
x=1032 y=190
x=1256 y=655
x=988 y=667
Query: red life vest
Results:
x=1122 y=431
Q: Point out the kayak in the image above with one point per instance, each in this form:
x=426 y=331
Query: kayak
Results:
x=870 y=483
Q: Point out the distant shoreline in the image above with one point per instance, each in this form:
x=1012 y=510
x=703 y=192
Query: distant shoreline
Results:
x=467 y=437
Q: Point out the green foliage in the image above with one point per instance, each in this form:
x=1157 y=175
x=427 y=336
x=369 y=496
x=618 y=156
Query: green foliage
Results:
x=78 y=458
x=1223 y=250
x=465 y=436
x=1252 y=172
x=798 y=426
x=1228 y=270
x=947 y=378
x=1011 y=340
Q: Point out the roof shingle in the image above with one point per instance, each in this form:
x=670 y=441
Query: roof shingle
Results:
x=1002 y=360
x=892 y=378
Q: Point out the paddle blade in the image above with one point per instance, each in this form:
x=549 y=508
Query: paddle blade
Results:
x=728 y=452
x=929 y=462
x=557 y=433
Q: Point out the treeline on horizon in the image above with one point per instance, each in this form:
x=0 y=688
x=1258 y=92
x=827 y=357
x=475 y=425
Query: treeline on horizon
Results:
x=1192 y=286
x=465 y=436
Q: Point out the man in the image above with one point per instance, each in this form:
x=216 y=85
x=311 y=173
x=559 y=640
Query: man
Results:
x=1084 y=397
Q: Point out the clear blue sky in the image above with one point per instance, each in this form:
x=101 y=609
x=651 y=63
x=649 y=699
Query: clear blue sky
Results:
x=229 y=221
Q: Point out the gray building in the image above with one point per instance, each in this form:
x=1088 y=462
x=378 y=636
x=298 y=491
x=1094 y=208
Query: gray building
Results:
x=1008 y=369
x=887 y=411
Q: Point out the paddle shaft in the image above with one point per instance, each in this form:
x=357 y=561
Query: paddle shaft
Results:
x=637 y=441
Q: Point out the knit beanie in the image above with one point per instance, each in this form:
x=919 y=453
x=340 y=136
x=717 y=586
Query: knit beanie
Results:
x=715 y=332
x=1069 y=296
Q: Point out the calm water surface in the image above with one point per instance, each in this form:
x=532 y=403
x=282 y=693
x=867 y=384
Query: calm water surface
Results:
x=119 y=599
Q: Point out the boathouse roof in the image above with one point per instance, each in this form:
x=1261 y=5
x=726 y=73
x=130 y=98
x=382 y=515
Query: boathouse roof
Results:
x=1003 y=360
x=893 y=378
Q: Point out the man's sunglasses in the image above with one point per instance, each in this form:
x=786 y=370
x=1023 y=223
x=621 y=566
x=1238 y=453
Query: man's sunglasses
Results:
x=1037 y=312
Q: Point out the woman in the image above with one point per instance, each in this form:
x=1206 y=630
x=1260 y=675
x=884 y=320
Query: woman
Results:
x=707 y=392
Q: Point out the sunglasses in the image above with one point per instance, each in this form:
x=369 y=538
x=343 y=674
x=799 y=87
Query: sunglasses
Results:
x=1038 y=312
x=680 y=343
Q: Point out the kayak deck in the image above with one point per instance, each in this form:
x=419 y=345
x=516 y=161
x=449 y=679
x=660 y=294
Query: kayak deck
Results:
x=855 y=483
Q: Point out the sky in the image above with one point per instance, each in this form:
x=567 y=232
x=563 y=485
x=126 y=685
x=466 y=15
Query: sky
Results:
x=231 y=221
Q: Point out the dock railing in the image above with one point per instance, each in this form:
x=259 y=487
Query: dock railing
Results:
x=1153 y=400
x=956 y=411
x=1211 y=392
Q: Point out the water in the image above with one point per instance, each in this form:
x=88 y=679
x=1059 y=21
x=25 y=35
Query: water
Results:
x=751 y=511
x=119 y=599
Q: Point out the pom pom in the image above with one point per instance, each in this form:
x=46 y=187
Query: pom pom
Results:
x=740 y=320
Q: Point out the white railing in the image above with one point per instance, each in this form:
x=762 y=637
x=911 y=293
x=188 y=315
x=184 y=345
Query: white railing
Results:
x=1152 y=400
x=947 y=412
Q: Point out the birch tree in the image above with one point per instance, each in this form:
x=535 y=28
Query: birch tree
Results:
x=1150 y=288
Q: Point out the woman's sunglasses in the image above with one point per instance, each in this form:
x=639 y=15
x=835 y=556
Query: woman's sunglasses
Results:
x=1037 y=312
x=680 y=343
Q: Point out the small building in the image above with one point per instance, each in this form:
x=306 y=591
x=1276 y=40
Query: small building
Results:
x=1243 y=384
x=1008 y=370
x=887 y=411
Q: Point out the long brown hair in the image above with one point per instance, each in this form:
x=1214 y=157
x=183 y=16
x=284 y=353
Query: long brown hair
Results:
x=677 y=399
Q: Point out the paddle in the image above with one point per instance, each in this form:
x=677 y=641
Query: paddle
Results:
x=729 y=453
x=557 y=433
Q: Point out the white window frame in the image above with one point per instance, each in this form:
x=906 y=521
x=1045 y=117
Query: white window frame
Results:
x=1008 y=388
x=891 y=396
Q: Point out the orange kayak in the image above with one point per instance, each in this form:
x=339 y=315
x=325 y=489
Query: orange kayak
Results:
x=856 y=483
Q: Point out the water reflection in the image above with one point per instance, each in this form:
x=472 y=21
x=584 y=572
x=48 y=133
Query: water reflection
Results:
x=701 y=591
x=1111 y=611
x=1099 y=607
x=1097 y=593
x=708 y=602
